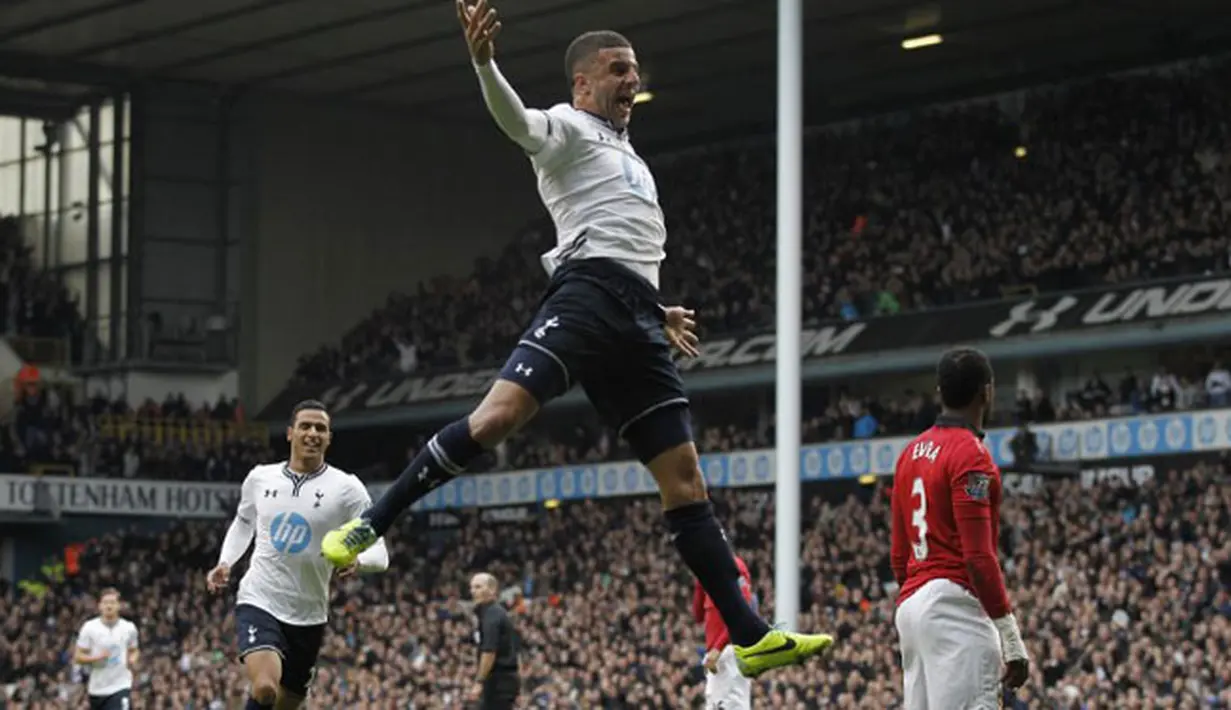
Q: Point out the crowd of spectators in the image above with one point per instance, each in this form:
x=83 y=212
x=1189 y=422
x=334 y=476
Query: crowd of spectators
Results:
x=49 y=431
x=1123 y=593
x=54 y=430
x=1108 y=181
x=830 y=414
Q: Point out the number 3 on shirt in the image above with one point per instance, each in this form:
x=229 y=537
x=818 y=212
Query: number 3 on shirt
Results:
x=919 y=519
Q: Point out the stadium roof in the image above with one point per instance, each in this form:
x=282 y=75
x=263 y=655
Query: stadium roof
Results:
x=710 y=63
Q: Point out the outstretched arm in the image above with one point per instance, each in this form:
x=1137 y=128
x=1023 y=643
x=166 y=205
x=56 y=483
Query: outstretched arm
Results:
x=527 y=128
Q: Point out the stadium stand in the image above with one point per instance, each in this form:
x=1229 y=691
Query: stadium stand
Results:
x=53 y=432
x=830 y=414
x=1123 y=179
x=174 y=440
x=1124 y=595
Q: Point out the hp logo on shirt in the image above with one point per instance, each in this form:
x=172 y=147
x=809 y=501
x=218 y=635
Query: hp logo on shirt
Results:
x=290 y=533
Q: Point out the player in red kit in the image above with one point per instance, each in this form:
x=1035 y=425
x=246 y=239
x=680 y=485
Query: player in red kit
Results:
x=725 y=687
x=958 y=635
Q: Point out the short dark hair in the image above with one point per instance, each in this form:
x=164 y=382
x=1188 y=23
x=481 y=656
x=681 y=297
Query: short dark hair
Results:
x=961 y=375
x=308 y=405
x=107 y=591
x=587 y=45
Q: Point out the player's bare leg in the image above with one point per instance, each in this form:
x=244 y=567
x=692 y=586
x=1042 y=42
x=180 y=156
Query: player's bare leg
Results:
x=703 y=545
x=265 y=676
x=505 y=409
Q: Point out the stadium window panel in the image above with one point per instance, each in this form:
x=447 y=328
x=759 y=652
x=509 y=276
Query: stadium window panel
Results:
x=104 y=230
x=106 y=123
x=73 y=237
x=35 y=138
x=74 y=281
x=103 y=297
x=76 y=168
x=76 y=136
x=10 y=139
x=36 y=170
x=10 y=189
x=127 y=175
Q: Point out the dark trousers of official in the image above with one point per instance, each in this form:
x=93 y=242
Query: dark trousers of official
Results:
x=500 y=692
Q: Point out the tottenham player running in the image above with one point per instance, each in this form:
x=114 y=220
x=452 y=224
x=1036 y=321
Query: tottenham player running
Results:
x=599 y=325
x=283 y=599
x=953 y=615
x=107 y=646
x=725 y=687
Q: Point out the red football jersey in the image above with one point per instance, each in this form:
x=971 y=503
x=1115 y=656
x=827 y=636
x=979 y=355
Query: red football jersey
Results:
x=704 y=612
x=946 y=515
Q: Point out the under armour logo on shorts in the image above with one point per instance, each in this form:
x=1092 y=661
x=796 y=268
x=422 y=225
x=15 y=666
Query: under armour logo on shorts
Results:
x=541 y=331
x=251 y=634
x=523 y=369
x=1039 y=321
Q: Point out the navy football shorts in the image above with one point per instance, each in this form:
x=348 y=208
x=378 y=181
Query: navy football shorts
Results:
x=298 y=646
x=600 y=325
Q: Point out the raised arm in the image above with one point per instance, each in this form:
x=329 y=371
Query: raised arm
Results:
x=528 y=128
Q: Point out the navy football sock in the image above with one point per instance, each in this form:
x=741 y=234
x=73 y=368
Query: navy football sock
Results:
x=252 y=704
x=698 y=537
x=445 y=457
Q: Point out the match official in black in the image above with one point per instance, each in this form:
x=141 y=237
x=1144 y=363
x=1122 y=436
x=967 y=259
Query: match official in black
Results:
x=497 y=683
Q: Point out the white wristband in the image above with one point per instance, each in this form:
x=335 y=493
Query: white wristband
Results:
x=1011 y=645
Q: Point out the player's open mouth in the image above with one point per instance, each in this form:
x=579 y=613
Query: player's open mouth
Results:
x=624 y=102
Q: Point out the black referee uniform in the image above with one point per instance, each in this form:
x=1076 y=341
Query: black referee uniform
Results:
x=496 y=635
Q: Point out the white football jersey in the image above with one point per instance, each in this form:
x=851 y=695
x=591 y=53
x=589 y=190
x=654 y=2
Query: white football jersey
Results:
x=291 y=512
x=600 y=194
x=112 y=675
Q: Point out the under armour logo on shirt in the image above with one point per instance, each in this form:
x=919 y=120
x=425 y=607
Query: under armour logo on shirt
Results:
x=319 y=495
x=541 y=331
x=523 y=369
x=271 y=493
x=1039 y=321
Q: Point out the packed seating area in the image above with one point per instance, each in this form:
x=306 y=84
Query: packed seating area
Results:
x=1124 y=595
x=58 y=430
x=173 y=439
x=830 y=414
x=1122 y=179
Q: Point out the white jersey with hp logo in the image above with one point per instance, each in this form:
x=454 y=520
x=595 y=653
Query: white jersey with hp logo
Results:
x=600 y=194
x=291 y=512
